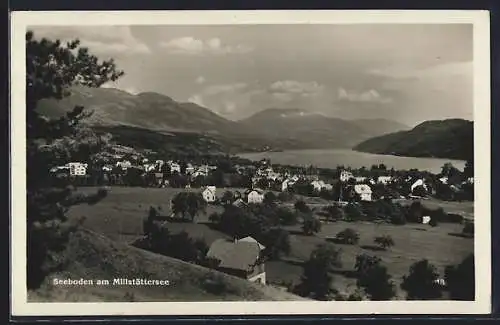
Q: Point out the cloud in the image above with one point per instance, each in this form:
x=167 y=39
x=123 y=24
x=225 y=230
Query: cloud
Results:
x=200 y=80
x=371 y=96
x=449 y=69
x=196 y=99
x=104 y=40
x=225 y=99
x=297 y=87
x=192 y=46
x=224 y=88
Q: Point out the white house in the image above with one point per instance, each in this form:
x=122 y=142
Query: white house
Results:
x=209 y=193
x=124 y=164
x=444 y=180
x=107 y=168
x=286 y=183
x=149 y=167
x=418 y=182
x=384 y=179
x=345 y=176
x=364 y=191
x=189 y=169
x=319 y=185
x=77 y=168
x=254 y=196
x=175 y=167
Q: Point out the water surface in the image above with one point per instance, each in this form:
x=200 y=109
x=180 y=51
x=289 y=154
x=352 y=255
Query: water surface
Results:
x=331 y=158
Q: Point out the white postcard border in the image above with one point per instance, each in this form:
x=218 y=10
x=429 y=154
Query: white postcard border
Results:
x=480 y=19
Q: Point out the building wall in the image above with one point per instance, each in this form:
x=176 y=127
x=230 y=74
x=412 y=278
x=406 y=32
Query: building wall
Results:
x=208 y=196
x=259 y=278
x=366 y=197
x=254 y=197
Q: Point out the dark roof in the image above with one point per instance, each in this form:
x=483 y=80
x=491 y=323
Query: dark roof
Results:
x=238 y=256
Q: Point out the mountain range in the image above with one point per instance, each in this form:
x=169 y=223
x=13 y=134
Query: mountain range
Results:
x=272 y=128
x=450 y=138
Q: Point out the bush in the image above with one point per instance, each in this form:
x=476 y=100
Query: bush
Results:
x=285 y=196
x=311 y=225
x=384 y=241
x=433 y=222
x=420 y=283
x=468 y=229
x=348 y=236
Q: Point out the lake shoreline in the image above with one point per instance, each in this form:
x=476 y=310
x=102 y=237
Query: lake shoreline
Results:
x=331 y=158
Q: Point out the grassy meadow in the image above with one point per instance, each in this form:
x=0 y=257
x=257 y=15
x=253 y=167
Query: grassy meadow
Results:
x=119 y=216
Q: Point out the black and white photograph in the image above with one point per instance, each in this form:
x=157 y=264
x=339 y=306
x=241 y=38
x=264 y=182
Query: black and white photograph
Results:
x=313 y=161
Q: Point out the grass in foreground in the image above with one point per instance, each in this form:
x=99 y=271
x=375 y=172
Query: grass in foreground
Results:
x=92 y=256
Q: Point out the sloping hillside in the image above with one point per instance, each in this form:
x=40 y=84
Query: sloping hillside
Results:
x=92 y=256
x=147 y=110
x=451 y=139
x=380 y=126
x=312 y=130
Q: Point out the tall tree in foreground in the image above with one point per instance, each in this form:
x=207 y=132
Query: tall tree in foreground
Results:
x=420 y=283
x=460 y=279
x=316 y=282
x=52 y=68
x=373 y=278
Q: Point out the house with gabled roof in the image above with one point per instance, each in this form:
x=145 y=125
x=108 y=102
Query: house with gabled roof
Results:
x=254 y=195
x=242 y=258
x=209 y=194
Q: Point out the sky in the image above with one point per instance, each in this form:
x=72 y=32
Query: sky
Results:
x=405 y=72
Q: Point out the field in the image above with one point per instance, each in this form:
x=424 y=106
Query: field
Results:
x=120 y=215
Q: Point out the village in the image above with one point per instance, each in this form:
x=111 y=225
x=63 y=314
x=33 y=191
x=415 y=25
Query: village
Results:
x=247 y=207
x=126 y=166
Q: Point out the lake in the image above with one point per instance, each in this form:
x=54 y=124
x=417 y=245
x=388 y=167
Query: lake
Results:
x=331 y=158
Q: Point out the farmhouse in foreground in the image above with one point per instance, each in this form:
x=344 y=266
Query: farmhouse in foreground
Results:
x=242 y=258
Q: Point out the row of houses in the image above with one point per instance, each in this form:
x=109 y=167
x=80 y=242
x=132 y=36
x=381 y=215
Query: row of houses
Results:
x=250 y=196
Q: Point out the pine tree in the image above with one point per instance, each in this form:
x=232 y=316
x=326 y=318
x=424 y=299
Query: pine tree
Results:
x=52 y=68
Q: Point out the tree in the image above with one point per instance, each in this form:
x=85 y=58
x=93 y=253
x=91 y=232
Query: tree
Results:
x=373 y=278
x=469 y=168
x=147 y=223
x=269 y=198
x=227 y=198
x=353 y=212
x=384 y=241
x=316 y=281
x=420 y=283
x=301 y=206
x=468 y=229
x=188 y=204
x=311 y=225
x=52 y=68
x=348 y=236
x=433 y=222
x=460 y=279
x=334 y=213
x=286 y=216
x=277 y=242
x=420 y=191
